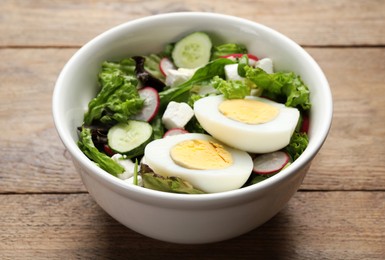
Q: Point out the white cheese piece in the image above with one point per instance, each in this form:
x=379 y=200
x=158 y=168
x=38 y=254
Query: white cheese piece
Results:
x=266 y=64
x=231 y=72
x=127 y=164
x=177 y=77
x=177 y=115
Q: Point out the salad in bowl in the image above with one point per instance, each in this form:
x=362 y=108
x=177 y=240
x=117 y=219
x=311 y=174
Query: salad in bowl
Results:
x=195 y=117
x=192 y=127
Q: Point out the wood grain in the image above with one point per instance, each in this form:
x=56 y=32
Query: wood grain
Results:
x=314 y=225
x=33 y=158
x=73 y=23
x=46 y=212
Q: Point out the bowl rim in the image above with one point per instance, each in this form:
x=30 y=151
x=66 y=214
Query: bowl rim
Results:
x=118 y=185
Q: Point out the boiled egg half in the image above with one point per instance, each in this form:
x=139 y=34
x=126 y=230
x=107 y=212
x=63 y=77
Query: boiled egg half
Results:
x=252 y=124
x=201 y=160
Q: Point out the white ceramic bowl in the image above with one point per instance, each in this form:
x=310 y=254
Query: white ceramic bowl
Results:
x=184 y=218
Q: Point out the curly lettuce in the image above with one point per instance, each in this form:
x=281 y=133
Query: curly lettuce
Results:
x=281 y=85
x=297 y=145
x=118 y=98
x=231 y=89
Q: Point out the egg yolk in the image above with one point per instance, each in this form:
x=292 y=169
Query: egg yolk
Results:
x=201 y=155
x=248 y=111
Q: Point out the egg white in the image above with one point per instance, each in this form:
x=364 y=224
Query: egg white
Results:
x=157 y=157
x=261 y=138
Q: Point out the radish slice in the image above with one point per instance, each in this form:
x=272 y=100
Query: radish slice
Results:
x=175 y=131
x=107 y=149
x=270 y=163
x=151 y=104
x=166 y=65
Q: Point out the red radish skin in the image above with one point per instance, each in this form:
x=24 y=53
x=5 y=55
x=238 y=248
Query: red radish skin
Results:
x=107 y=149
x=165 y=65
x=270 y=163
x=175 y=131
x=151 y=104
x=305 y=124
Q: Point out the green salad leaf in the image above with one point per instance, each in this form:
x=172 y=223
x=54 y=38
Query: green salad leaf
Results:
x=231 y=89
x=297 y=145
x=87 y=146
x=154 y=181
x=278 y=85
x=118 y=98
x=227 y=49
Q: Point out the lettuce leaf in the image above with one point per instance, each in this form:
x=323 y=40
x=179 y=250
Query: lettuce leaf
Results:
x=231 y=89
x=87 y=146
x=118 y=98
x=286 y=85
x=154 y=181
x=151 y=65
x=297 y=145
x=227 y=49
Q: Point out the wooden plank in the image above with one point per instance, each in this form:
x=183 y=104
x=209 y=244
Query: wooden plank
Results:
x=33 y=158
x=72 y=23
x=314 y=225
x=350 y=159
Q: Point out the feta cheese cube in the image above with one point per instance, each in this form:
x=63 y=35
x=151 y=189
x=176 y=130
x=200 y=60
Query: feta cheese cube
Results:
x=231 y=72
x=177 y=77
x=177 y=115
x=266 y=64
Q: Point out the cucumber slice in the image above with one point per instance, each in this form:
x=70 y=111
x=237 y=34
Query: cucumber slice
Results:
x=192 y=51
x=130 y=138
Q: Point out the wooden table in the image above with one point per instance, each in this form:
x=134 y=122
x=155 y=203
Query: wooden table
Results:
x=338 y=213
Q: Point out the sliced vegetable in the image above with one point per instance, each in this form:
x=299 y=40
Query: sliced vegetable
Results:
x=130 y=138
x=192 y=51
x=270 y=163
x=175 y=131
x=108 y=150
x=166 y=65
x=151 y=104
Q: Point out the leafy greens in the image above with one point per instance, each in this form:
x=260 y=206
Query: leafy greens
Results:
x=118 y=98
x=87 y=146
x=278 y=85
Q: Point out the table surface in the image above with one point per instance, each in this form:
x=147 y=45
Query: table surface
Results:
x=338 y=213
